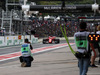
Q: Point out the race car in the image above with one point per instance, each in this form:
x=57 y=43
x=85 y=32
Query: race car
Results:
x=51 y=39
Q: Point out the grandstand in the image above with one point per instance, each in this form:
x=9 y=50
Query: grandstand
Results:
x=14 y=21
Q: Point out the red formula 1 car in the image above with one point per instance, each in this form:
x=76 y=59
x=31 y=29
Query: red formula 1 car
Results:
x=51 y=39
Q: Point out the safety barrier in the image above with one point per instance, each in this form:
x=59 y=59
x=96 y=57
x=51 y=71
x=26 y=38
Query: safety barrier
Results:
x=16 y=40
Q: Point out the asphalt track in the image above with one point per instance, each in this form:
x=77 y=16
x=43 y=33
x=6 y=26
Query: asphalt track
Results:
x=49 y=60
x=37 y=50
x=12 y=52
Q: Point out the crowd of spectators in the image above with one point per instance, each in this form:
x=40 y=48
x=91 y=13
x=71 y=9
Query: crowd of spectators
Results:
x=45 y=28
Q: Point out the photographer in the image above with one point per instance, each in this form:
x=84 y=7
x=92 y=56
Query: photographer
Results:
x=83 y=51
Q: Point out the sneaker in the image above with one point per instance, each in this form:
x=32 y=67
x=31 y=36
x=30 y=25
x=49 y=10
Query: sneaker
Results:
x=23 y=64
x=93 y=66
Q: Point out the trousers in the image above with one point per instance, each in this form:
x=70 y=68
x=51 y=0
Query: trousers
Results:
x=83 y=64
x=27 y=60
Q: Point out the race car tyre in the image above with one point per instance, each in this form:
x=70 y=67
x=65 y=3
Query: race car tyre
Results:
x=44 y=41
x=57 y=41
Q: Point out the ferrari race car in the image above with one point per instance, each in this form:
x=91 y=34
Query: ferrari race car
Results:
x=51 y=39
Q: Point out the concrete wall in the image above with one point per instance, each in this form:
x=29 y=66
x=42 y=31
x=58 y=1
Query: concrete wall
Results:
x=14 y=40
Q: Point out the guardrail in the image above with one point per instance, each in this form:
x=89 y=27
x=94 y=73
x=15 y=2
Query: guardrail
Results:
x=16 y=40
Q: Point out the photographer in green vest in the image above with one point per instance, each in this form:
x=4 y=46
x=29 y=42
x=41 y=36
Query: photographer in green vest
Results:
x=26 y=57
x=82 y=46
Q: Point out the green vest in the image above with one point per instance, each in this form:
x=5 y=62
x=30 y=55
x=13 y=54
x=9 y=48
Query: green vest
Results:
x=81 y=42
x=25 y=50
